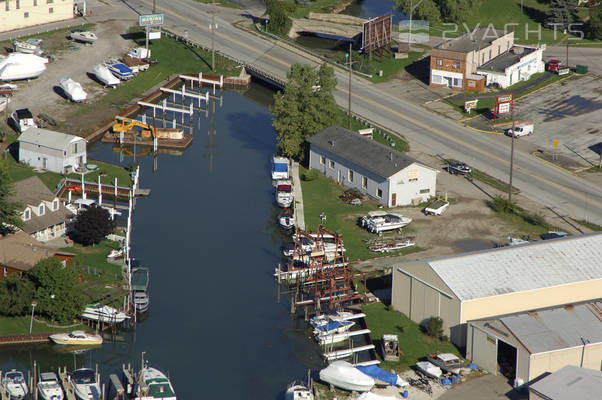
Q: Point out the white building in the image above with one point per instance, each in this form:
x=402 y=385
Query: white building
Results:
x=568 y=383
x=515 y=65
x=52 y=151
x=18 y=14
x=390 y=177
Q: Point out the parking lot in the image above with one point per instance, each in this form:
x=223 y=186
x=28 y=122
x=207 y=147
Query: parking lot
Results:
x=569 y=113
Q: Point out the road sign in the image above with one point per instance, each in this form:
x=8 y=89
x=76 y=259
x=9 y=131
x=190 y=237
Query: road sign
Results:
x=151 y=20
x=470 y=104
x=555 y=143
x=503 y=105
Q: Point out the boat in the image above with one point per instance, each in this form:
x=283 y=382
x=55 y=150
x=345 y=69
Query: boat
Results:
x=284 y=194
x=446 y=361
x=322 y=319
x=77 y=338
x=4 y=103
x=297 y=391
x=286 y=219
x=304 y=245
x=121 y=71
x=49 y=387
x=333 y=327
x=25 y=47
x=8 y=89
x=382 y=221
x=153 y=384
x=105 y=76
x=14 y=384
x=140 y=279
x=85 y=384
x=83 y=36
x=141 y=301
x=429 y=369
x=382 y=375
x=345 y=376
x=374 y=396
x=383 y=247
x=279 y=168
x=73 y=90
x=17 y=66
x=115 y=254
x=512 y=241
x=102 y=313
x=23 y=119
x=459 y=169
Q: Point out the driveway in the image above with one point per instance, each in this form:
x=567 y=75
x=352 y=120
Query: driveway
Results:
x=488 y=387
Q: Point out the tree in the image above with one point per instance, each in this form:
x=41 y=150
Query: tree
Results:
x=434 y=327
x=279 y=23
x=10 y=216
x=562 y=13
x=92 y=225
x=304 y=108
x=427 y=10
x=594 y=24
x=458 y=11
x=16 y=294
x=59 y=299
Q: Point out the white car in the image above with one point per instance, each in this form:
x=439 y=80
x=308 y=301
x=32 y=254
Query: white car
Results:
x=522 y=129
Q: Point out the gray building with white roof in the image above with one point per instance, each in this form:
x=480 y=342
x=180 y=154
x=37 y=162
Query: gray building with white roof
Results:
x=568 y=383
x=52 y=151
x=489 y=283
x=388 y=176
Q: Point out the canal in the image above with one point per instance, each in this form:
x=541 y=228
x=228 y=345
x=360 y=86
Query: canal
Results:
x=209 y=237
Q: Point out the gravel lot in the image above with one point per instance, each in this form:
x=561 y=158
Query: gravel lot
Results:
x=42 y=95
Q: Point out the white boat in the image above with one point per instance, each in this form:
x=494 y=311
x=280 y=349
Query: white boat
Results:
x=153 y=384
x=49 y=387
x=343 y=375
x=73 y=90
x=83 y=36
x=141 y=301
x=333 y=327
x=103 y=74
x=76 y=338
x=284 y=194
x=382 y=221
x=296 y=391
x=115 y=253
x=446 y=361
x=512 y=241
x=285 y=220
x=322 y=319
x=23 y=119
x=374 y=396
x=14 y=384
x=4 y=103
x=304 y=245
x=279 y=168
x=85 y=384
x=121 y=71
x=24 y=47
x=429 y=369
x=18 y=66
x=102 y=313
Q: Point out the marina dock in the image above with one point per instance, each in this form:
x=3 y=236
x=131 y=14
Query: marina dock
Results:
x=131 y=140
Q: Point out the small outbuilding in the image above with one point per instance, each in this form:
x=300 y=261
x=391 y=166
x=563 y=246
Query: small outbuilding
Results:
x=390 y=177
x=517 y=64
x=52 y=151
x=568 y=383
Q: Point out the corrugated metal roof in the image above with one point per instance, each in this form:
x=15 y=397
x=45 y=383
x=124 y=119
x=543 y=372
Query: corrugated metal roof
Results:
x=557 y=328
x=520 y=268
x=570 y=383
x=47 y=138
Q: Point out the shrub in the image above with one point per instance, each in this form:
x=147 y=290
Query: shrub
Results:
x=434 y=327
x=311 y=175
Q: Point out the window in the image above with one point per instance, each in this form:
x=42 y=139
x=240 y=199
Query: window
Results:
x=490 y=54
x=35 y=3
x=26 y=214
x=55 y=205
x=413 y=180
x=364 y=182
x=41 y=210
x=350 y=175
x=456 y=65
x=482 y=58
x=472 y=84
x=26 y=15
x=18 y=4
x=51 y=10
x=49 y=1
x=331 y=164
x=499 y=49
x=322 y=160
x=457 y=82
x=379 y=193
x=423 y=191
x=439 y=63
x=5 y=273
x=75 y=147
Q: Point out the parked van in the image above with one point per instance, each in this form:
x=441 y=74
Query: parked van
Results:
x=522 y=129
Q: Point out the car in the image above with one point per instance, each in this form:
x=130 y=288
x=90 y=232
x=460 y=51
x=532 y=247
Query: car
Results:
x=459 y=168
x=522 y=129
x=552 y=65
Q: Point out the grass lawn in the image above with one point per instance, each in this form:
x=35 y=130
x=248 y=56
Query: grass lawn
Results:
x=413 y=342
x=378 y=135
x=317 y=6
x=589 y=225
x=20 y=326
x=321 y=196
x=220 y=3
x=390 y=66
x=493 y=182
x=109 y=173
x=92 y=260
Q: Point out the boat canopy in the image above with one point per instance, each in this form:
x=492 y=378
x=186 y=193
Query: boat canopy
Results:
x=280 y=167
x=284 y=188
x=84 y=375
x=124 y=69
x=332 y=325
x=378 y=373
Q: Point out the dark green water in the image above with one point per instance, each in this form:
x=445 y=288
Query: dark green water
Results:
x=211 y=243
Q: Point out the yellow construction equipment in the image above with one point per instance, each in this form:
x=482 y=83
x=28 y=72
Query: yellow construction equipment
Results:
x=126 y=125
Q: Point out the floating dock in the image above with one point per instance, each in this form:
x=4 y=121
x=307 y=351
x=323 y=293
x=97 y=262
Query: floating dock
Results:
x=130 y=140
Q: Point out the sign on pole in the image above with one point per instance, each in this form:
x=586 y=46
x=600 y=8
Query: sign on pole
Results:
x=503 y=105
x=151 y=20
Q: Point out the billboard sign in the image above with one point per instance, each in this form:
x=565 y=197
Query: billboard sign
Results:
x=151 y=20
x=503 y=105
x=377 y=32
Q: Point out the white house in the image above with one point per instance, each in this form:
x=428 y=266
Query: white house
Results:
x=517 y=64
x=43 y=215
x=390 y=177
x=18 y=14
x=52 y=151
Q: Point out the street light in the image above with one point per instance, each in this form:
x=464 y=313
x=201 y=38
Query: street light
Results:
x=33 y=309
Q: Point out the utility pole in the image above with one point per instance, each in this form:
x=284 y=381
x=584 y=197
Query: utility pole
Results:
x=213 y=37
x=154 y=6
x=511 y=164
x=349 y=104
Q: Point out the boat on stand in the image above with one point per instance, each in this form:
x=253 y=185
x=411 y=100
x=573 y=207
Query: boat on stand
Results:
x=85 y=384
x=153 y=384
x=49 y=387
x=101 y=313
x=284 y=193
x=298 y=391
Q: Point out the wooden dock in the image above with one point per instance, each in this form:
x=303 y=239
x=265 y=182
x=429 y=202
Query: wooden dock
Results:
x=66 y=383
x=16 y=339
x=129 y=140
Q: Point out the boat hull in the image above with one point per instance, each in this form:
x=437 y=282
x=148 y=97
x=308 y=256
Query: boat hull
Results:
x=429 y=369
x=343 y=375
x=10 y=73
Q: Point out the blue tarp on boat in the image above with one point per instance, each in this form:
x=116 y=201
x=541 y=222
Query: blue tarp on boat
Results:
x=332 y=325
x=280 y=167
x=378 y=373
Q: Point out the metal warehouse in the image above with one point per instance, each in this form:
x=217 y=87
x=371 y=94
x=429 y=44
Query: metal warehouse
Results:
x=494 y=282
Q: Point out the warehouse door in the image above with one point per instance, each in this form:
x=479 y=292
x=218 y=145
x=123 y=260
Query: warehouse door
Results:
x=506 y=360
x=393 y=199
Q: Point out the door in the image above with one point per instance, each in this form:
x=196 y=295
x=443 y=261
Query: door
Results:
x=339 y=176
x=44 y=163
x=393 y=199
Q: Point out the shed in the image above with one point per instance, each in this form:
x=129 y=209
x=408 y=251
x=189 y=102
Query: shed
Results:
x=52 y=151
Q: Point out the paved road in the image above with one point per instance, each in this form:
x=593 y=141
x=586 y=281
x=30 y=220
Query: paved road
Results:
x=426 y=131
x=589 y=56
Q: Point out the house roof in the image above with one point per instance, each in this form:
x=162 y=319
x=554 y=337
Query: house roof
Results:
x=21 y=251
x=569 y=383
x=506 y=59
x=475 y=40
x=32 y=191
x=521 y=268
x=47 y=138
x=556 y=328
x=50 y=218
x=362 y=151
